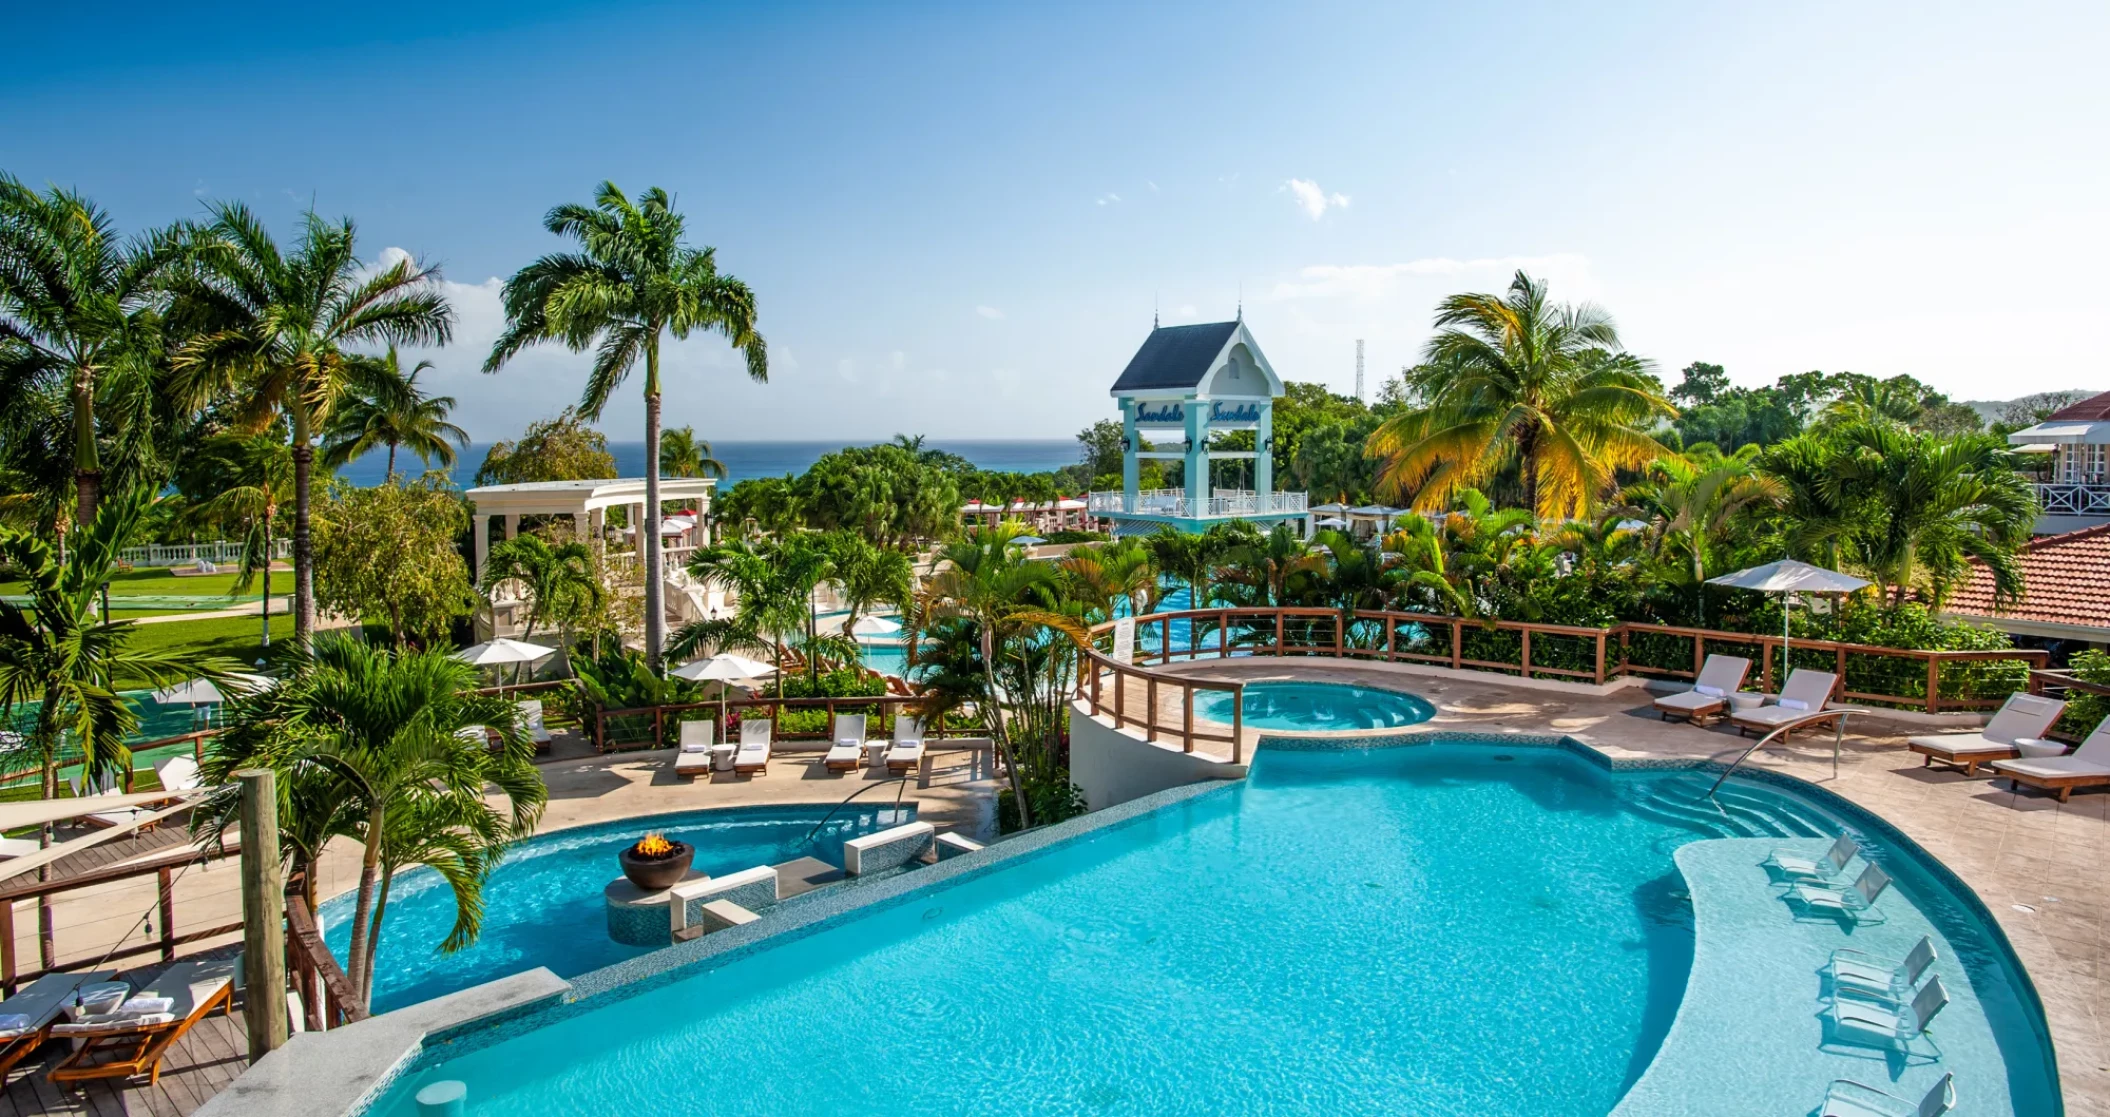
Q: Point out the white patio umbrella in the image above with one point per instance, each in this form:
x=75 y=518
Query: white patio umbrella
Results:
x=1332 y=521
x=874 y=626
x=727 y=669
x=1789 y=577
x=1027 y=541
x=499 y=652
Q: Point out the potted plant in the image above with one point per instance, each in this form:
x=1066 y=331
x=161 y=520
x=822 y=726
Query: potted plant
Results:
x=656 y=864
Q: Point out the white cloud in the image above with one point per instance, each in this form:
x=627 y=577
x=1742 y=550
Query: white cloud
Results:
x=989 y=312
x=1314 y=200
x=1108 y=198
x=1569 y=274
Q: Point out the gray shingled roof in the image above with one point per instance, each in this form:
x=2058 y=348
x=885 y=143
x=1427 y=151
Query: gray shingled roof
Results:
x=1174 y=357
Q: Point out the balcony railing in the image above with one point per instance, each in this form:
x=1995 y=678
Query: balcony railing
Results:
x=1222 y=503
x=2074 y=498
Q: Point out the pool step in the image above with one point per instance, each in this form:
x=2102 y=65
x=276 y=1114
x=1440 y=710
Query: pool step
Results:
x=1732 y=812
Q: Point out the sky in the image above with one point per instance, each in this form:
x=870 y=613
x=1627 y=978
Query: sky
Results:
x=959 y=219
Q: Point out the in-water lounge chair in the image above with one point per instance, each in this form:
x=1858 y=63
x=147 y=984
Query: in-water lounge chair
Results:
x=133 y=1038
x=849 y=748
x=2087 y=766
x=907 y=752
x=753 y=756
x=1804 y=693
x=1720 y=677
x=1798 y=867
x=2024 y=715
x=26 y=1017
x=1857 y=901
x=1848 y=1098
x=1856 y=974
x=1888 y=1026
x=693 y=758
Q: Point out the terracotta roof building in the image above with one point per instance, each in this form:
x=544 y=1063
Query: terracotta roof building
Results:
x=2066 y=589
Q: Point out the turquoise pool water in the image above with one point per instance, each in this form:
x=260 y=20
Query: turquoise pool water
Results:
x=1325 y=707
x=543 y=904
x=1438 y=930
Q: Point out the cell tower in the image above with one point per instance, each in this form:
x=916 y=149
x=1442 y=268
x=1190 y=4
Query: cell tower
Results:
x=1358 y=368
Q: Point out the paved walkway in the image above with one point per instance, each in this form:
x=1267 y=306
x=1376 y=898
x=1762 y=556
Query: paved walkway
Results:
x=2042 y=867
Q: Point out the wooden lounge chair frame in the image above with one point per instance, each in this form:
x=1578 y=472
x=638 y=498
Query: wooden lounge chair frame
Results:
x=1969 y=760
x=1714 y=709
x=140 y=1050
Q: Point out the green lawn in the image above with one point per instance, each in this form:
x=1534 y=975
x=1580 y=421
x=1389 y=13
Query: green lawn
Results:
x=238 y=638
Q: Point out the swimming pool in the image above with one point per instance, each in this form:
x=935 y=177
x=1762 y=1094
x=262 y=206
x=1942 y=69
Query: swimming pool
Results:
x=1447 y=929
x=1316 y=706
x=543 y=904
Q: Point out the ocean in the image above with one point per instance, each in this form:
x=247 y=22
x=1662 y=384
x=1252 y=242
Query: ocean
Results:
x=763 y=459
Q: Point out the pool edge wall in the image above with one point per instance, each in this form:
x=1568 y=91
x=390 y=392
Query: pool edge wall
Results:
x=1116 y=766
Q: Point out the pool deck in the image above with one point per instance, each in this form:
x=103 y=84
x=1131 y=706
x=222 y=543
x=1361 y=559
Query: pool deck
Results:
x=2042 y=867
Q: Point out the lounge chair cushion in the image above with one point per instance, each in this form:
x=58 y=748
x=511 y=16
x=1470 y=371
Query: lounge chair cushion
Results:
x=1689 y=700
x=905 y=752
x=1959 y=744
x=2023 y=715
x=109 y=1023
x=845 y=752
x=1768 y=715
x=2054 y=767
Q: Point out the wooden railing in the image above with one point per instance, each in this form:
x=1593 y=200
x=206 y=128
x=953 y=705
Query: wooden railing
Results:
x=1589 y=654
x=885 y=704
x=1151 y=718
x=325 y=990
x=162 y=868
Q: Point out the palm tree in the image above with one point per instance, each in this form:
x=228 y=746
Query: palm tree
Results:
x=251 y=478
x=774 y=584
x=393 y=751
x=275 y=329
x=559 y=578
x=1011 y=603
x=76 y=314
x=1266 y=567
x=868 y=575
x=1517 y=380
x=60 y=658
x=386 y=409
x=632 y=281
x=1691 y=501
x=682 y=454
x=1934 y=503
x=1104 y=577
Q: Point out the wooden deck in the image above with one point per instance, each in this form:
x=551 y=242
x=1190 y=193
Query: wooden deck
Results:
x=200 y=1065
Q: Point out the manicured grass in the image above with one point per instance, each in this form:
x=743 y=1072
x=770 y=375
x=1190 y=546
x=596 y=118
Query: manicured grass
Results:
x=237 y=638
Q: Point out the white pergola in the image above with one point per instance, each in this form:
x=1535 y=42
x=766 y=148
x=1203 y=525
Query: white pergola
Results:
x=584 y=501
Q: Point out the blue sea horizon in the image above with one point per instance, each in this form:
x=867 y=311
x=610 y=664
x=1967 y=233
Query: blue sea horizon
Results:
x=745 y=460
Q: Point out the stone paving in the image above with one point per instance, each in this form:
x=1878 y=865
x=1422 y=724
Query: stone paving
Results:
x=2042 y=867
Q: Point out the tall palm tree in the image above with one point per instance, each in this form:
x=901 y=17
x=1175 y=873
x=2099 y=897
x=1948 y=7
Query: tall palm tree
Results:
x=1266 y=567
x=385 y=408
x=390 y=750
x=632 y=281
x=868 y=575
x=76 y=314
x=682 y=454
x=1104 y=577
x=59 y=657
x=251 y=478
x=275 y=330
x=1691 y=501
x=773 y=584
x=1518 y=380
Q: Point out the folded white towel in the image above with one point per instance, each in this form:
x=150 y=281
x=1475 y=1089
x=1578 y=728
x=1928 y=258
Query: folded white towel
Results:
x=1709 y=691
x=1794 y=704
x=141 y=1005
x=850 y=743
x=695 y=746
x=112 y=1022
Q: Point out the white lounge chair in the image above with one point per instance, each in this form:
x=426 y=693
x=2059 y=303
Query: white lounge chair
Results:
x=132 y=1038
x=178 y=773
x=1833 y=862
x=754 y=747
x=693 y=758
x=2086 y=766
x=1889 y=1026
x=26 y=1017
x=1848 y=1098
x=531 y=720
x=907 y=752
x=104 y=820
x=1720 y=677
x=1804 y=693
x=1860 y=975
x=1857 y=901
x=849 y=748
x=2023 y=715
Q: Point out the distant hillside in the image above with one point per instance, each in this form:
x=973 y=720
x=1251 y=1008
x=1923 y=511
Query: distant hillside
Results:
x=1992 y=410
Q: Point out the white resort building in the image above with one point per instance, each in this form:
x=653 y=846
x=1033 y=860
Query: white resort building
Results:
x=586 y=503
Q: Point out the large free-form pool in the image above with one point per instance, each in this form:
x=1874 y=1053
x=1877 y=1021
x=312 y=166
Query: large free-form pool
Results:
x=543 y=905
x=1447 y=929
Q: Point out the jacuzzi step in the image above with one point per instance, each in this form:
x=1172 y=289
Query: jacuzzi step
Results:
x=796 y=878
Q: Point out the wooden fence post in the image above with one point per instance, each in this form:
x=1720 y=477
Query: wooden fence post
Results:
x=165 y=882
x=1933 y=683
x=263 y=906
x=1526 y=661
x=1600 y=657
x=1186 y=718
x=1457 y=645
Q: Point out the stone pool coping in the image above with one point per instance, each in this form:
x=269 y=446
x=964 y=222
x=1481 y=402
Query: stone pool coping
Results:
x=364 y=1065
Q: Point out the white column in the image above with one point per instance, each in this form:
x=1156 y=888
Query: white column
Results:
x=512 y=524
x=582 y=526
x=1198 y=486
x=1264 y=458
x=1131 y=442
x=479 y=544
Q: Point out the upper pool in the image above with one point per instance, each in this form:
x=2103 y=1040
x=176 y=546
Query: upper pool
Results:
x=1446 y=929
x=543 y=905
x=1316 y=706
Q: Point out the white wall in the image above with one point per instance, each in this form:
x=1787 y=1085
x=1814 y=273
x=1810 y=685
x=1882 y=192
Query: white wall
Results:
x=1116 y=765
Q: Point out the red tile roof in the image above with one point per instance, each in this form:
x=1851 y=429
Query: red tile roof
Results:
x=2094 y=409
x=2065 y=579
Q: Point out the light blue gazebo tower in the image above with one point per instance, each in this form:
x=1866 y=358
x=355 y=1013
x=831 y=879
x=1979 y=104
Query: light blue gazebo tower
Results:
x=1187 y=382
